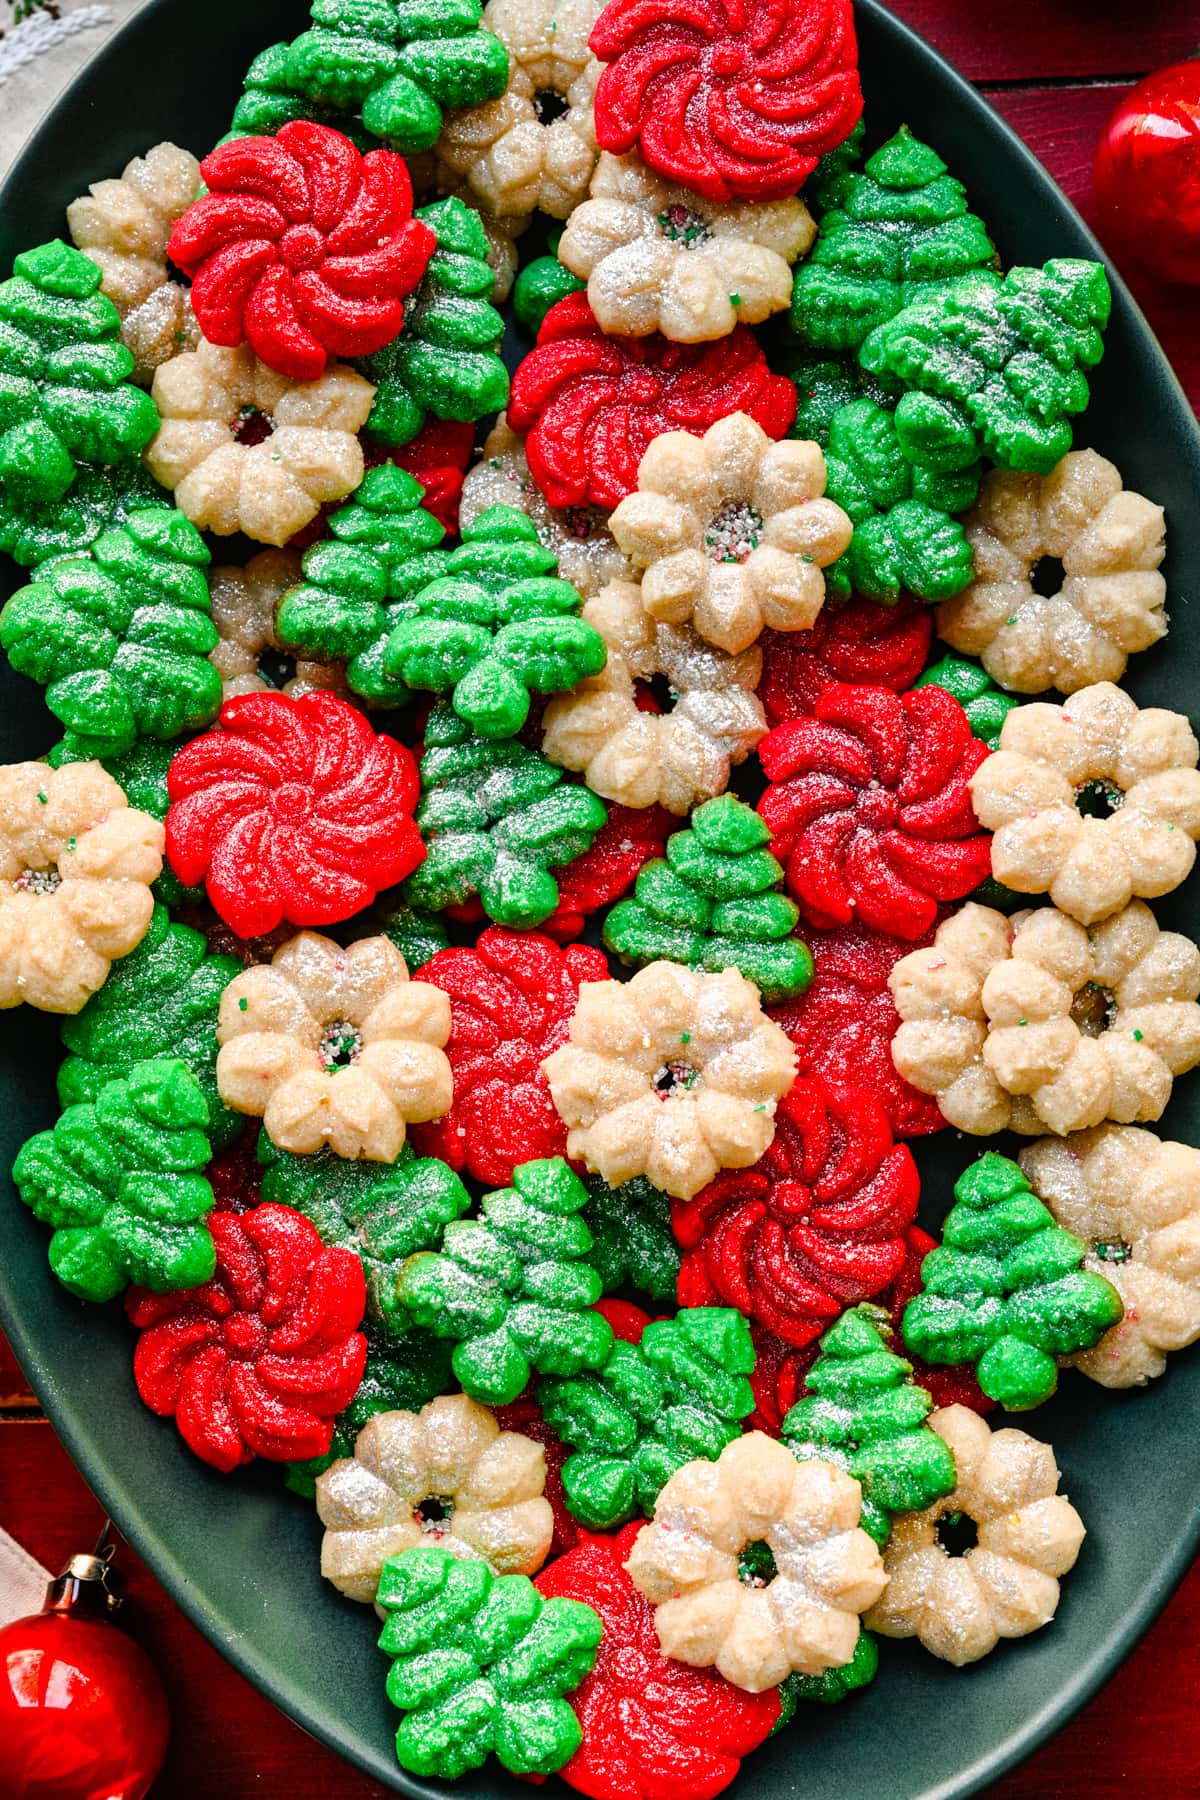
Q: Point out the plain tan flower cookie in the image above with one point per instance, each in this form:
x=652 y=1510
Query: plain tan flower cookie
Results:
x=123 y=226
x=672 y=1075
x=1040 y=1024
x=535 y=147
x=731 y=532
x=1140 y=760
x=335 y=1046
x=1110 y=543
x=244 y=604
x=637 y=758
x=1006 y=1584
x=577 y=536
x=76 y=864
x=446 y=1477
x=1135 y=1199
x=659 y=258
x=756 y=1632
x=271 y=486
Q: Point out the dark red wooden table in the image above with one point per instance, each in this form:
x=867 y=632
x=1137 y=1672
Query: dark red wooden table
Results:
x=1053 y=68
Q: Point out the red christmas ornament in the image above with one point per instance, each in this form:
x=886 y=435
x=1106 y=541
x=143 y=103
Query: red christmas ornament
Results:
x=735 y=99
x=630 y=838
x=511 y=1000
x=292 y=809
x=591 y=404
x=302 y=248
x=83 y=1715
x=1147 y=176
x=815 y=1226
x=653 y=1729
x=862 y=643
x=870 y=808
x=260 y=1360
x=842 y=1026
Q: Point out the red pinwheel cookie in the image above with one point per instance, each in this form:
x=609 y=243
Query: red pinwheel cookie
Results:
x=880 y=646
x=511 y=1000
x=292 y=809
x=870 y=807
x=653 y=1729
x=590 y=404
x=816 y=1225
x=259 y=1360
x=842 y=1026
x=302 y=248
x=735 y=99
x=780 y=1372
x=630 y=837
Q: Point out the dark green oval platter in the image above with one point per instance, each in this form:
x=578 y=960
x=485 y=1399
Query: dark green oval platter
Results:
x=240 y=1556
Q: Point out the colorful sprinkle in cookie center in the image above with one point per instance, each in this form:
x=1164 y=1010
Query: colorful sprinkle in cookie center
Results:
x=733 y=532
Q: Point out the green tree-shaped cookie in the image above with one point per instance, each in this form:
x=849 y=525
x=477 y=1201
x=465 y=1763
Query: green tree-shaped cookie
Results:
x=514 y=1286
x=97 y=500
x=865 y=1413
x=1005 y=1289
x=826 y=187
x=995 y=367
x=160 y=1000
x=498 y=626
x=496 y=817
x=632 y=1241
x=985 y=705
x=541 y=284
x=904 y=536
x=65 y=393
x=899 y=228
x=481 y=1664
x=269 y=99
x=679 y=1394
x=716 y=902
x=446 y=361
x=417 y=934
x=120 y=1179
x=384 y=1213
x=400 y=62
x=401 y=1376
x=383 y=548
x=120 y=636
x=823 y=384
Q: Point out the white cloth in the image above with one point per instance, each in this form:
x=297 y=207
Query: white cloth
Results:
x=23 y=1581
x=41 y=55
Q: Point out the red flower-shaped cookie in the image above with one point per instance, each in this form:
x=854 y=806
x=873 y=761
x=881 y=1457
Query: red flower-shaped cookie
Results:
x=235 y=1176
x=778 y=1379
x=735 y=99
x=301 y=247
x=511 y=1000
x=842 y=1026
x=870 y=807
x=630 y=838
x=883 y=646
x=259 y=1360
x=292 y=809
x=815 y=1226
x=653 y=1729
x=591 y=404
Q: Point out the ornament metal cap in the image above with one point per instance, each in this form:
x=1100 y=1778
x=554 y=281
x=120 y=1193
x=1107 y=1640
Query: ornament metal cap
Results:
x=89 y=1585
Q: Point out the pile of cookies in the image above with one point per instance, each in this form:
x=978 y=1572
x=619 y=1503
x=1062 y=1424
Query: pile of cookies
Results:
x=578 y=1283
